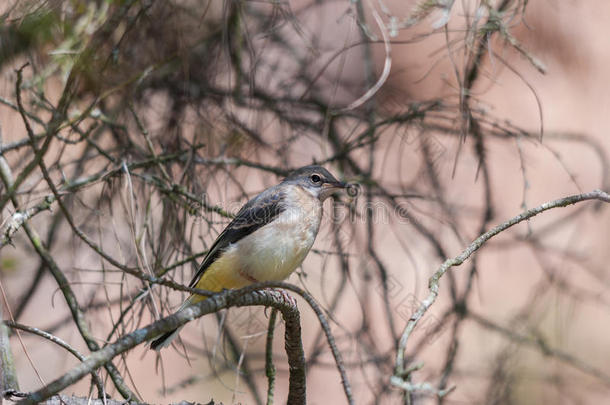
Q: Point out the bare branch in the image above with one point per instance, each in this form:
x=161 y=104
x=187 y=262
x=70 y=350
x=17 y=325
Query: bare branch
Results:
x=294 y=348
x=434 y=282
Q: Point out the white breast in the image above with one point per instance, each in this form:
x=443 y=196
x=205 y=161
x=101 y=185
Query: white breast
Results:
x=273 y=252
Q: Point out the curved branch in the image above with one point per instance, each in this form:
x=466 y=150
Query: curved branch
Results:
x=226 y=299
x=323 y=323
x=433 y=285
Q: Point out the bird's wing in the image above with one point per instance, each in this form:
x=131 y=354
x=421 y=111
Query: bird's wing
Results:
x=255 y=214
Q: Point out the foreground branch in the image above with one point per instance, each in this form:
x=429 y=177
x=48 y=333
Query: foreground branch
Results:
x=70 y=400
x=236 y=298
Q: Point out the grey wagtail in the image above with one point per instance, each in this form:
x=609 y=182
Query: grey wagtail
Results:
x=267 y=240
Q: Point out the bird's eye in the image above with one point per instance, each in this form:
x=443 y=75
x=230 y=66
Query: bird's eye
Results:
x=315 y=178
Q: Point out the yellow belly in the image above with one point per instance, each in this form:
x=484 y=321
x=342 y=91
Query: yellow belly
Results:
x=224 y=273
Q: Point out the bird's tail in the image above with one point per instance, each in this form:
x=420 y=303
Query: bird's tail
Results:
x=166 y=339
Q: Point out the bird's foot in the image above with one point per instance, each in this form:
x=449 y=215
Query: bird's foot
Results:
x=285 y=296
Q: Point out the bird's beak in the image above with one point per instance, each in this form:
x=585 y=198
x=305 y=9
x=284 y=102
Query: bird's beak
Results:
x=330 y=187
x=334 y=185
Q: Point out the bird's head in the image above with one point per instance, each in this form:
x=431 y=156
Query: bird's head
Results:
x=316 y=180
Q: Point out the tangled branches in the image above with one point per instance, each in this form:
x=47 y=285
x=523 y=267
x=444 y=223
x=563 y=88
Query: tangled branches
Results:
x=134 y=130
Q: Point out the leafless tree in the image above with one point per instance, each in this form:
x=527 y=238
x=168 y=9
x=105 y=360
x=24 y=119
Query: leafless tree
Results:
x=132 y=131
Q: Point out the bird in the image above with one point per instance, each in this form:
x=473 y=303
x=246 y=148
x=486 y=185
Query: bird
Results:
x=267 y=240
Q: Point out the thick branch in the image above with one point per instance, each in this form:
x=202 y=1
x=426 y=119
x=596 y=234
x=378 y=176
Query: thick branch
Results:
x=72 y=400
x=275 y=299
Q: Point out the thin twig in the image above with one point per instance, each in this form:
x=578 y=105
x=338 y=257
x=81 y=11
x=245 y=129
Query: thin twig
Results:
x=61 y=343
x=44 y=254
x=434 y=282
x=545 y=349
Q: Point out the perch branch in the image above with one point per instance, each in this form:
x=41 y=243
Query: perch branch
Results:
x=226 y=299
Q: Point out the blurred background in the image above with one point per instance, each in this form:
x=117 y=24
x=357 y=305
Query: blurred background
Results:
x=155 y=121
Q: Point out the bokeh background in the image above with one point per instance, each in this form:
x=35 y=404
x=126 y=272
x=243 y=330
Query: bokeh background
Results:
x=163 y=118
